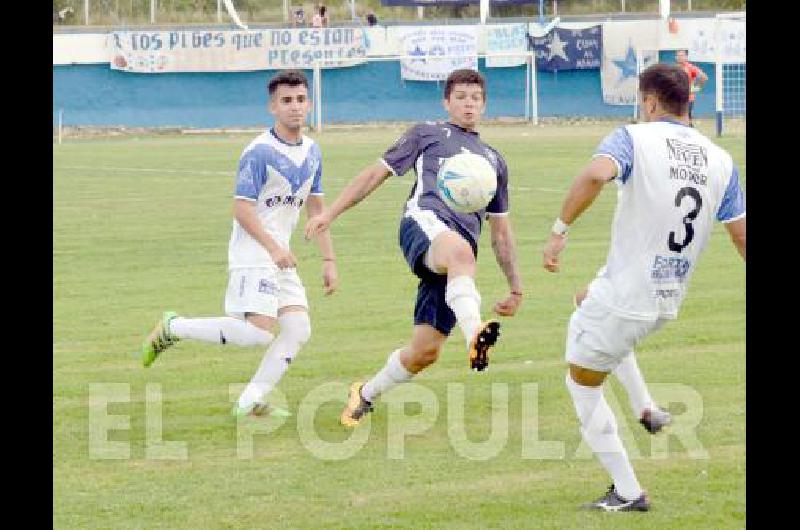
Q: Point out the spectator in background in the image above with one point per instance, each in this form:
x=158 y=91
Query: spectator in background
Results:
x=372 y=19
x=299 y=19
x=697 y=78
x=60 y=16
x=320 y=18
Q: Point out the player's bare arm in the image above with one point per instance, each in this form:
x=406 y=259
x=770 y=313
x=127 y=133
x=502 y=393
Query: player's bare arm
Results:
x=505 y=251
x=737 y=230
x=244 y=211
x=702 y=78
x=315 y=205
x=585 y=189
x=362 y=185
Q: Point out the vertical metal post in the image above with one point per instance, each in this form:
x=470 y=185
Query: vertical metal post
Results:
x=152 y=11
x=528 y=114
x=420 y=12
x=219 y=10
x=86 y=12
x=639 y=60
x=534 y=91
x=720 y=93
x=60 y=124
x=318 y=95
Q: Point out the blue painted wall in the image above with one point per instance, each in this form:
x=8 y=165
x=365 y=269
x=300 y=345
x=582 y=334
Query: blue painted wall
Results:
x=97 y=95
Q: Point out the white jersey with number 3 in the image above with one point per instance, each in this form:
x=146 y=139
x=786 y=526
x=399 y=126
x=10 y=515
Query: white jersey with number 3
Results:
x=673 y=183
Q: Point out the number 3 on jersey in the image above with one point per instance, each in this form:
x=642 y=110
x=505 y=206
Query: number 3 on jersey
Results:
x=687 y=221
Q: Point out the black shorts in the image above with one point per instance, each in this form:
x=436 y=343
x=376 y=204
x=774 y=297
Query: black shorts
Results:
x=431 y=307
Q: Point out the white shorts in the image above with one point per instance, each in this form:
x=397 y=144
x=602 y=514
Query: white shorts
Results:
x=598 y=339
x=263 y=291
x=431 y=226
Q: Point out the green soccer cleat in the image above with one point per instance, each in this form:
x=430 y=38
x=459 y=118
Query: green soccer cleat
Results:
x=259 y=409
x=159 y=339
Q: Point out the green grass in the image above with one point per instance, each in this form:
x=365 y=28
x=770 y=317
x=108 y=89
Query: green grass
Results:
x=129 y=243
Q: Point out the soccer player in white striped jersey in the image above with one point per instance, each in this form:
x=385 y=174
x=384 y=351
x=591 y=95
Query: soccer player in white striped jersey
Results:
x=673 y=182
x=279 y=172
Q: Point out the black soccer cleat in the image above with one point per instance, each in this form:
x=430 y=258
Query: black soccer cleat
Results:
x=612 y=502
x=655 y=419
x=479 y=348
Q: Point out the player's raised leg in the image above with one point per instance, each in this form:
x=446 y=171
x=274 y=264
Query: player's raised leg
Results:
x=219 y=330
x=401 y=366
x=650 y=415
x=449 y=253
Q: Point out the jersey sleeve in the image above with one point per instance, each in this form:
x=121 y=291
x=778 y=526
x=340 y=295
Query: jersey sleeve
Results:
x=618 y=146
x=402 y=156
x=252 y=174
x=732 y=207
x=499 y=203
x=316 y=185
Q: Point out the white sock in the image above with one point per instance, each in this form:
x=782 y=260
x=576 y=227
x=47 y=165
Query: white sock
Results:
x=391 y=375
x=295 y=331
x=220 y=330
x=631 y=378
x=463 y=298
x=599 y=429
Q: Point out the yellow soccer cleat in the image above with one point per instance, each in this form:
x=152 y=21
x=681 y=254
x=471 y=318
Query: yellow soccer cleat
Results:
x=357 y=407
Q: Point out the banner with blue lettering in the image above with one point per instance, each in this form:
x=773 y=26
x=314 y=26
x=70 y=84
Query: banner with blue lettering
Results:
x=435 y=51
x=568 y=49
x=236 y=51
x=506 y=38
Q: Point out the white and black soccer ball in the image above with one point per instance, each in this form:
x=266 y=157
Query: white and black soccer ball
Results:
x=466 y=182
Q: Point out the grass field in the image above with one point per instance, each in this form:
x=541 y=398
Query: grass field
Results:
x=142 y=224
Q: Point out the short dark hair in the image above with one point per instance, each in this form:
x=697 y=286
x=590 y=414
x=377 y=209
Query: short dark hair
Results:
x=464 y=76
x=287 y=77
x=669 y=83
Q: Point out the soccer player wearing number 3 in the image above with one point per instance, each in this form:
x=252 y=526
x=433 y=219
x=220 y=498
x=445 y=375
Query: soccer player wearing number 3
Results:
x=439 y=244
x=673 y=182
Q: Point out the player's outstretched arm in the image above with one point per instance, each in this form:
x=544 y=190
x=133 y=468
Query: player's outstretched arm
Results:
x=505 y=251
x=244 y=211
x=702 y=78
x=315 y=205
x=585 y=189
x=362 y=185
x=737 y=230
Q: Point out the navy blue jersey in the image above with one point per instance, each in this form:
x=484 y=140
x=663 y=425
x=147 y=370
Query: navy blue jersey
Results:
x=425 y=147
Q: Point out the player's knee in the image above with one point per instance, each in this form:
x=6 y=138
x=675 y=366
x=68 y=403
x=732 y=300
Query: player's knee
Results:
x=461 y=254
x=296 y=325
x=262 y=322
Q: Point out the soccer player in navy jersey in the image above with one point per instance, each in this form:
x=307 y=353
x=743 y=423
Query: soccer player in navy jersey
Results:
x=439 y=244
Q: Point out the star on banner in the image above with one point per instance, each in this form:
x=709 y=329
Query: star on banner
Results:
x=557 y=48
x=418 y=52
x=628 y=64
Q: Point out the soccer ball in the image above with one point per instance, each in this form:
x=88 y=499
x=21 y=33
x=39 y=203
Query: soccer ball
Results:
x=466 y=182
